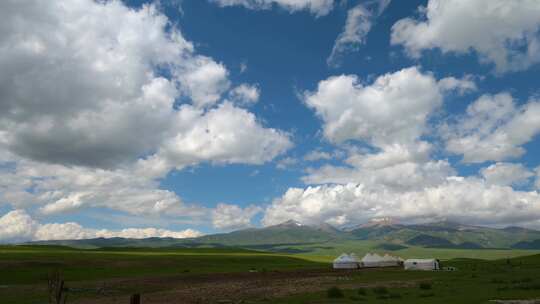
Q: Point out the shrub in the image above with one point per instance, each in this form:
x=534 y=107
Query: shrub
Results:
x=426 y=295
x=425 y=285
x=334 y=292
x=362 y=291
x=380 y=290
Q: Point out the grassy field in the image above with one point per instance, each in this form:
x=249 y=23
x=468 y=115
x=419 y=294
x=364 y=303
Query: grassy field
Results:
x=475 y=281
x=326 y=252
x=24 y=271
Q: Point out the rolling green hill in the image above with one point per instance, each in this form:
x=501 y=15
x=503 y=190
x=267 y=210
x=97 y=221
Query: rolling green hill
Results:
x=290 y=236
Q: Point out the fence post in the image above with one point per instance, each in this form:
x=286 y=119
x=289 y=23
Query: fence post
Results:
x=135 y=299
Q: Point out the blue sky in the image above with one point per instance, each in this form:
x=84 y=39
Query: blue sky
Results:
x=137 y=122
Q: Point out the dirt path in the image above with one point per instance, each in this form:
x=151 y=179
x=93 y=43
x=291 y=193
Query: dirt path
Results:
x=234 y=287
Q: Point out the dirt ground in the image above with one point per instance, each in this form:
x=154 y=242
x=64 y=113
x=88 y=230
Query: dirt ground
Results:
x=229 y=287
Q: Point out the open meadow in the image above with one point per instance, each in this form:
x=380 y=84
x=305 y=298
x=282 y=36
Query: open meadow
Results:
x=242 y=276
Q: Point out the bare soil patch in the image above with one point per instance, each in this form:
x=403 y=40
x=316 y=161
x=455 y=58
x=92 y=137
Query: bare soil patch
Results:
x=231 y=287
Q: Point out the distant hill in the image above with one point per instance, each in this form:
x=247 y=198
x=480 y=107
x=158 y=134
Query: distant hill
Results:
x=387 y=233
x=290 y=232
x=527 y=245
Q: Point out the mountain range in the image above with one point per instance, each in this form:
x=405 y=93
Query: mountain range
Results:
x=390 y=235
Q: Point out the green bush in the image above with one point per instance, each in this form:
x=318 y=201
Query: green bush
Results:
x=380 y=290
x=334 y=292
x=362 y=291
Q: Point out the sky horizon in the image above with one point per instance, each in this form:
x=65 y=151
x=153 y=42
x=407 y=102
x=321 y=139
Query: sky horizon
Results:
x=145 y=118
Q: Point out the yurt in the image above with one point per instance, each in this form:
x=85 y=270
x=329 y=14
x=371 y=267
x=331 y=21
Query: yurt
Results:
x=390 y=261
x=346 y=261
x=421 y=264
x=372 y=260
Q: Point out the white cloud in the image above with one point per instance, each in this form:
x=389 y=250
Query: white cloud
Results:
x=205 y=81
x=229 y=217
x=225 y=134
x=286 y=163
x=506 y=33
x=316 y=7
x=537 y=183
x=18 y=226
x=359 y=21
x=393 y=109
x=506 y=174
x=493 y=128
x=86 y=120
x=317 y=155
x=91 y=94
x=87 y=94
x=58 y=189
x=396 y=167
x=469 y=200
x=245 y=94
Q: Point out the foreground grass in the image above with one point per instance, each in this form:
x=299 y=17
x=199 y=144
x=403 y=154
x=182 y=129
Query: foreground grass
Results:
x=476 y=281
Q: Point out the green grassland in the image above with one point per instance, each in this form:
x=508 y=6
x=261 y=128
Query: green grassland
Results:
x=475 y=281
x=327 y=251
x=24 y=270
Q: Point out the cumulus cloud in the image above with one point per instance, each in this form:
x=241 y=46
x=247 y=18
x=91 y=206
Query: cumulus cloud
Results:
x=92 y=94
x=493 y=128
x=506 y=174
x=230 y=217
x=359 y=21
x=225 y=134
x=393 y=109
x=316 y=7
x=397 y=167
x=245 y=94
x=19 y=226
x=94 y=115
x=505 y=33
x=389 y=171
x=469 y=200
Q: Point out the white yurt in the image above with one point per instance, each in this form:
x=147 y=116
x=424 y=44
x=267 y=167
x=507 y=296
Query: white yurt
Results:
x=421 y=264
x=372 y=260
x=346 y=261
x=390 y=261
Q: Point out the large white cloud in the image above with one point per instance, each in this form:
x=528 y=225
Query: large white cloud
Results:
x=316 y=7
x=92 y=94
x=98 y=101
x=506 y=174
x=393 y=109
x=506 y=33
x=19 y=226
x=397 y=167
x=225 y=134
x=226 y=216
x=493 y=128
x=469 y=200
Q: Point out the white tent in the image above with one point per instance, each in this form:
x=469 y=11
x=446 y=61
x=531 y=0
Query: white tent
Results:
x=390 y=261
x=346 y=261
x=372 y=260
x=375 y=260
x=421 y=264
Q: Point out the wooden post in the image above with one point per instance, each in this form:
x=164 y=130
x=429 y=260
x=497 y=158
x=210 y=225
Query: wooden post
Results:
x=135 y=299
